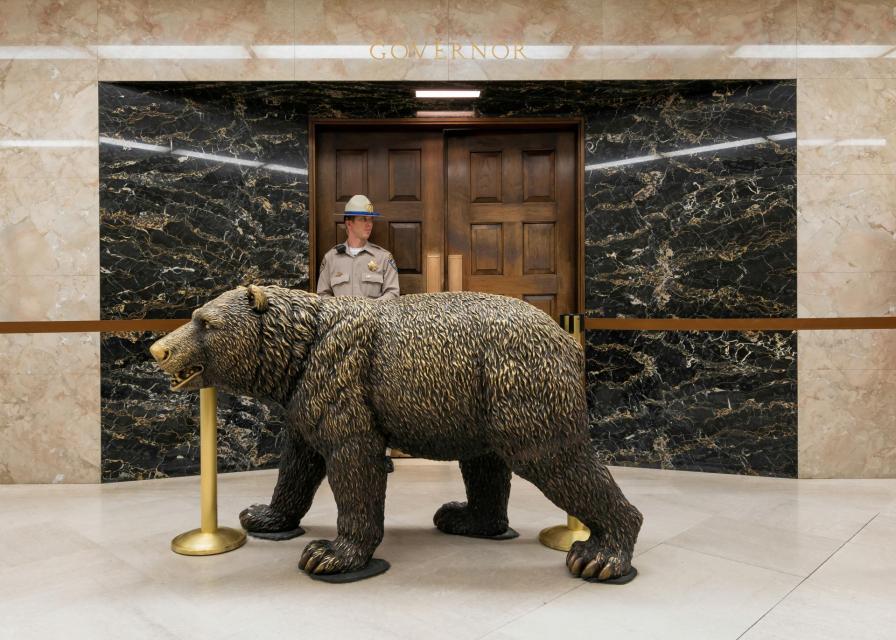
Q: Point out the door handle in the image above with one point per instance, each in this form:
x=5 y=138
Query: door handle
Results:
x=434 y=273
x=456 y=272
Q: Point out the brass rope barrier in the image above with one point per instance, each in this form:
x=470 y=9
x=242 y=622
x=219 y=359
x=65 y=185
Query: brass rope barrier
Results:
x=561 y=537
x=209 y=539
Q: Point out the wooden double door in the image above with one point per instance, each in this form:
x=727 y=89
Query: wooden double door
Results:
x=471 y=209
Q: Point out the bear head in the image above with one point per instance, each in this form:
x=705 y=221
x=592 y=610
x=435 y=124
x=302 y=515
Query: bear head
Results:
x=248 y=341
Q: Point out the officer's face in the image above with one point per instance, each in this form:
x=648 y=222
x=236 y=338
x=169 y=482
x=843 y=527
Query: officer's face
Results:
x=359 y=227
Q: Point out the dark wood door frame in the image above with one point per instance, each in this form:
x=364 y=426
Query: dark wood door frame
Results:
x=576 y=124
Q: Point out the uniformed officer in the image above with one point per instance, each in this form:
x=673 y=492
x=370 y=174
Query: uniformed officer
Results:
x=358 y=267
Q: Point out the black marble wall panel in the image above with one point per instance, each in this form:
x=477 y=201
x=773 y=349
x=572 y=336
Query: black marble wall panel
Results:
x=202 y=187
x=721 y=402
x=150 y=432
x=690 y=207
x=205 y=185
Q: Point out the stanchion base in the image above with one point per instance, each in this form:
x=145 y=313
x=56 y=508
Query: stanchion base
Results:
x=197 y=543
x=623 y=579
x=561 y=537
x=375 y=567
x=509 y=534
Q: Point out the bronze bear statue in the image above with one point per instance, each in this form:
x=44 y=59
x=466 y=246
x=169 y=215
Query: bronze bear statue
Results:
x=487 y=380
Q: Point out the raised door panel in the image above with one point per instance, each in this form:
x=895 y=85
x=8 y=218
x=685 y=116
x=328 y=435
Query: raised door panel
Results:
x=539 y=248
x=485 y=176
x=351 y=173
x=487 y=244
x=538 y=176
x=404 y=175
x=405 y=238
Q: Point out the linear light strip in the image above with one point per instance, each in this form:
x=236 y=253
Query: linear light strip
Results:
x=199 y=155
x=790 y=135
x=447 y=93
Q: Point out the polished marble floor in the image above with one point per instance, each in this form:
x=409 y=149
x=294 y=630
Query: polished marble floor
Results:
x=719 y=557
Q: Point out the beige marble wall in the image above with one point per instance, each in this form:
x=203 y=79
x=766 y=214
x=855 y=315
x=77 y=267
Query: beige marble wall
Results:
x=49 y=240
x=847 y=235
x=847 y=410
x=174 y=40
x=50 y=408
x=49 y=235
x=53 y=52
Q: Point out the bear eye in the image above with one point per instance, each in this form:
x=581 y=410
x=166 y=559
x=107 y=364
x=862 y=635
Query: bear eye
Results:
x=207 y=325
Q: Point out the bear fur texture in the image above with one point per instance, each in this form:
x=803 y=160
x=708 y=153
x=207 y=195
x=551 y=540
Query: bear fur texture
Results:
x=487 y=380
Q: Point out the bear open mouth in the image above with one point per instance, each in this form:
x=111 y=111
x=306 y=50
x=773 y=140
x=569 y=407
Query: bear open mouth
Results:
x=184 y=376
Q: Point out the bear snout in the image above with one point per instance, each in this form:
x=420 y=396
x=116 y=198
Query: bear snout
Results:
x=175 y=357
x=160 y=352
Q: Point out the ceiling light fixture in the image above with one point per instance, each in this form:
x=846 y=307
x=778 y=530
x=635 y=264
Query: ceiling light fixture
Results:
x=446 y=114
x=448 y=93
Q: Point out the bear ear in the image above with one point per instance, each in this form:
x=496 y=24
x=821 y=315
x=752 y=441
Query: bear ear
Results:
x=258 y=299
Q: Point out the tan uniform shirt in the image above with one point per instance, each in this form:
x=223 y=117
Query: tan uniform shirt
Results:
x=370 y=274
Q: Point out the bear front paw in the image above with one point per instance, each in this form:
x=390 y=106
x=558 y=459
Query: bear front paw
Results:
x=262 y=518
x=456 y=518
x=324 y=556
x=590 y=561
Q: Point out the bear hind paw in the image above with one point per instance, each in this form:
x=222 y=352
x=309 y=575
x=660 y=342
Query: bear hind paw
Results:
x=262 y=518
x=457 y=519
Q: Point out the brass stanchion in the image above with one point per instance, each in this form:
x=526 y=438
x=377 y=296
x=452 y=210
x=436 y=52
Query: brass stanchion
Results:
x=209 y=539
x=561 y=536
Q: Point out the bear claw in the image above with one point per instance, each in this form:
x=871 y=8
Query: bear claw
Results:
x=593 y=563
x=323 y=557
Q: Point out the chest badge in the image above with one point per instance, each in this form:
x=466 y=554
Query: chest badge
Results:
x=372 y=265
